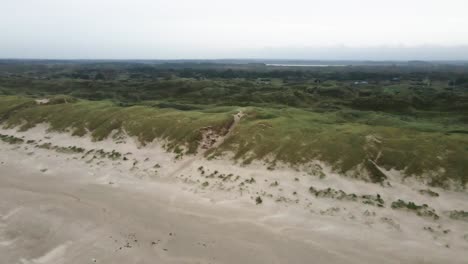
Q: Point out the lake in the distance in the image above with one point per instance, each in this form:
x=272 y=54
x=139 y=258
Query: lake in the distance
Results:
x=304 y=65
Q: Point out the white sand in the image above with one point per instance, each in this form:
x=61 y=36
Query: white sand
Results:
x=63 y=208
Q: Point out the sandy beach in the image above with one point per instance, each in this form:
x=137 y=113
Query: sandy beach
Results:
x=59 y=206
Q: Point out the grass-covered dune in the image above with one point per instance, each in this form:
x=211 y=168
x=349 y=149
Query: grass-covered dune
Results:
x=101 y=118
x=416 y=146
x=353 y=142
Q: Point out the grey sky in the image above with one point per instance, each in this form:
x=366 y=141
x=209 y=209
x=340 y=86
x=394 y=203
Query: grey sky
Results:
x=173 y=29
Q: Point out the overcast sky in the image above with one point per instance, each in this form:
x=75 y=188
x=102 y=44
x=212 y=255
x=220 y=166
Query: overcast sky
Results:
x=207 y=29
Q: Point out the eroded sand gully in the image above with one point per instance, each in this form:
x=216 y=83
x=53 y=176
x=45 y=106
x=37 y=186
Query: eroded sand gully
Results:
x=102 y=202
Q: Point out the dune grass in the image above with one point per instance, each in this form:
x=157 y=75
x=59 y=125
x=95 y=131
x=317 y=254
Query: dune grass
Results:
x=101 y=118
x=294 y=136
x=351 y=141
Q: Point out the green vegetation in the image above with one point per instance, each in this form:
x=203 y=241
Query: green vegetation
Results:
x=258 y=200
x=113 y=155
x=296 y=136
x=375 y=200
x=420 y=210
x=459 y=215
x=359 y=120
x=11 y=139
x=429 y=192
x=69 y=149
x=180 y=129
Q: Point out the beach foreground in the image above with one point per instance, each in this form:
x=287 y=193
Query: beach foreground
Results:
x=56 y=207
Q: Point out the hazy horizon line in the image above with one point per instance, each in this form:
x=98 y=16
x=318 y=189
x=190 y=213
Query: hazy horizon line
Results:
x=231 y=59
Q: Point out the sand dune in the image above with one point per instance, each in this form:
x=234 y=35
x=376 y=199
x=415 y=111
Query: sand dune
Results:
x=60 y=205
